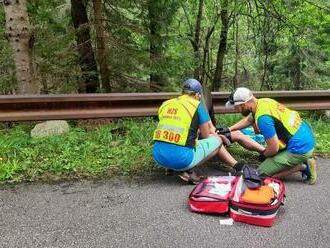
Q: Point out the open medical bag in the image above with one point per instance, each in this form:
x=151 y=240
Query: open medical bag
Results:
x=212 y=195
x=228 y=194
x=257 y=214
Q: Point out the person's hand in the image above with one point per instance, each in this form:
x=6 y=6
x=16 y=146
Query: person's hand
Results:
x=225 y=140
x=222 y=130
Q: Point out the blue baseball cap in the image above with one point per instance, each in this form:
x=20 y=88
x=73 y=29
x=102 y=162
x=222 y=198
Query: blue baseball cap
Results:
x=192 y=85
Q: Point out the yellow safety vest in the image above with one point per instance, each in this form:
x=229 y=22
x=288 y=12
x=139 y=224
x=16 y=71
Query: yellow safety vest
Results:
x=175 y=121
x=287 y=121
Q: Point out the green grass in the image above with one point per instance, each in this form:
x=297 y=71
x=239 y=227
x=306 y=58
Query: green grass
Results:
x=322 y=135
x=120 y=148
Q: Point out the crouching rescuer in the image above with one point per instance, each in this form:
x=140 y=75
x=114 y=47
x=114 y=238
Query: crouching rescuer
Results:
x=176 y=146
x=290 y=140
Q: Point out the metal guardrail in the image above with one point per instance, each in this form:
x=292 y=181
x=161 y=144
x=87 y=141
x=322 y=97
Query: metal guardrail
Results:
x=92 y=106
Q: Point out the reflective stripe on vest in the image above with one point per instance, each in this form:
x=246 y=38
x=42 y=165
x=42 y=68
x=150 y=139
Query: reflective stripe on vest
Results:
x=287 y=121
x=175 y=119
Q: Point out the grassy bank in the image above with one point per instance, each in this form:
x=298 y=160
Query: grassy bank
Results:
x=122 y=147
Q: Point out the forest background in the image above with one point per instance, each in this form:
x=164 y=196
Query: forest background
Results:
x=79 y=46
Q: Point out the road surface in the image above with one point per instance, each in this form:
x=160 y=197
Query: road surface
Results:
x=152 y=212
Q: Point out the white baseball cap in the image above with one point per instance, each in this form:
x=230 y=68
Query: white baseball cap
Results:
x=239 y=96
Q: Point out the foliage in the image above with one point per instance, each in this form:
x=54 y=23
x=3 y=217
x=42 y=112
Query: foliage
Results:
x=120 y=148
x=55 y=49
x=279 y=44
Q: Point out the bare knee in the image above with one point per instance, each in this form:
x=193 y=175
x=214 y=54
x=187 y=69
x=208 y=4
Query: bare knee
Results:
x=236 y=136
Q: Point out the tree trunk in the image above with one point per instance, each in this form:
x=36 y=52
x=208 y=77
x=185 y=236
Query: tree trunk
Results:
x=205 y=68
x=157 y=81
x=295 y=67
x=87 y=60
x=264 y=79
x=268 y=47
x=235 y=79
x=19 y=35
x=296 y=77
x=196 y=42
x=101 y=50
x=222 y=46
x=205 y=57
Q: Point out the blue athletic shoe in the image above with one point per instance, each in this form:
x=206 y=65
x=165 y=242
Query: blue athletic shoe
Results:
x=306 y=173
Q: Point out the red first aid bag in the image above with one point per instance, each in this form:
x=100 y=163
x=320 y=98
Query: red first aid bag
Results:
x=257 y=214
x=212 y=194
x=225 y=194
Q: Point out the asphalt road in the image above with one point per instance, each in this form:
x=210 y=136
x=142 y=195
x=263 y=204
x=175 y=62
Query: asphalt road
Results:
x=153 y=213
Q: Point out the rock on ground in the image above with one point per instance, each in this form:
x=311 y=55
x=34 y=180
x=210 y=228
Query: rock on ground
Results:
x=50 y=128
